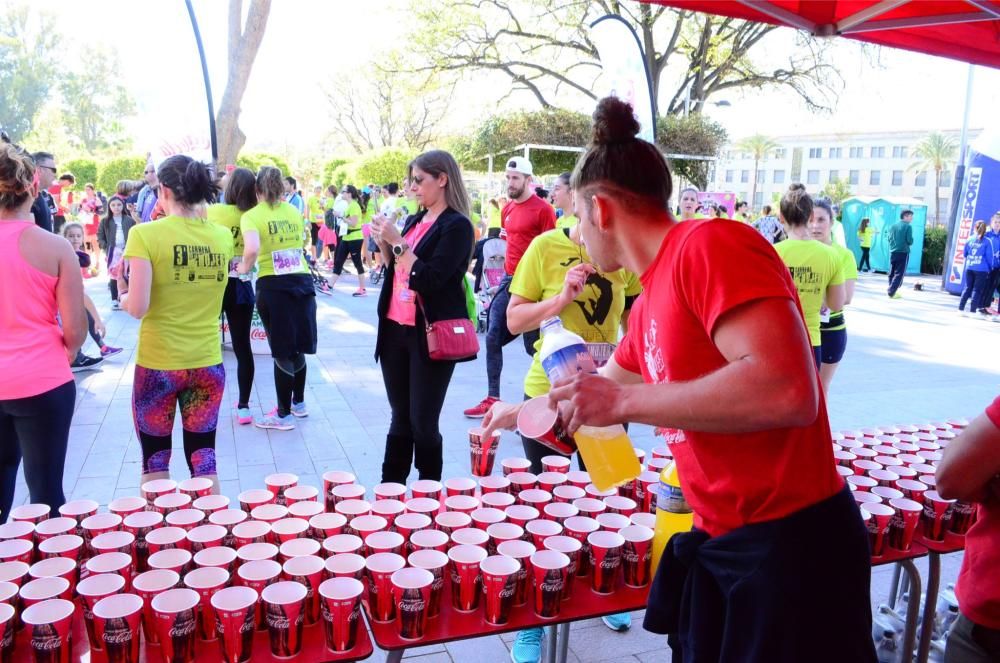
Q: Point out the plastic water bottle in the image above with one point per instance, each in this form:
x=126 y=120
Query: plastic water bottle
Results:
x=887 y=648
x=673 y=514
x=607 y=451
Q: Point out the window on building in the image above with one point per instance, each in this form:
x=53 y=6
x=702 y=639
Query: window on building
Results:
x=729 y=176
x=900 y=152
x=877 y=152
x=853 y=176
x=815 y=152
x=875 y=177
x=760 y=177
x=897 y=178
x=921 y=179
x=812 y=177
x=758 y=199
x=836 y=152
x=834 y=174
x=855 y=153
x=945 y=178
x=744 y=176
x=778 y=177
x=779 y=153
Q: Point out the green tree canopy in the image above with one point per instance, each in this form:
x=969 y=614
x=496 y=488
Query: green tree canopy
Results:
x=122 y=168
x=254 y=161
x=500 y=134
x=85 y=171
x=328 y=170
x=95 y=103
x=383 y=166
x=694 y=135
x=837 y=190
x=28 y=44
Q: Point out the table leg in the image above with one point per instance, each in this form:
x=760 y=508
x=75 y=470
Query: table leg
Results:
x=930 y=606
x=894 y=586
x=550 y=646
x=912 y=610
x=394 y=656
x=563 y=642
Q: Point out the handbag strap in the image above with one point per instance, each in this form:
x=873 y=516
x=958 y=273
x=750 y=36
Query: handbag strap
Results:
x=423 y=312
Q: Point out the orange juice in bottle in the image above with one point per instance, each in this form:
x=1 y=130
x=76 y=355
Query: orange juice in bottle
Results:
x=673 y=514
x=608 y=454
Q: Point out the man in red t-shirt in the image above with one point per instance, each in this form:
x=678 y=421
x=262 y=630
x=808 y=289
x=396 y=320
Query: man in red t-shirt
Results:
x=969 y=472
x=523 y=219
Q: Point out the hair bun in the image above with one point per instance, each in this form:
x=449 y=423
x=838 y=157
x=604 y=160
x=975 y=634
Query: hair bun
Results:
x=614 y=122
x=796 y=187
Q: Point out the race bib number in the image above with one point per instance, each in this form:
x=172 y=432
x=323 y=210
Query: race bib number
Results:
x=233 y=264
x=824 y=315
x=406 y=295
x=287 y=261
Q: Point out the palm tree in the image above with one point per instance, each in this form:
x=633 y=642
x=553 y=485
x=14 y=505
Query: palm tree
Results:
x=936 y=152
x=759 y=146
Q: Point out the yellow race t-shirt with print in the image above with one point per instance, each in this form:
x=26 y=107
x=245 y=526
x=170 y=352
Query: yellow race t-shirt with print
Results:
x=354 y=209
x=814 y=267
x=865 y=237
x=228 y=216
x=494 y=217
x=410 y=205
x=280 y=228
x=315 y=207
x=595 y=315
x=566 y=221
x=190 y=260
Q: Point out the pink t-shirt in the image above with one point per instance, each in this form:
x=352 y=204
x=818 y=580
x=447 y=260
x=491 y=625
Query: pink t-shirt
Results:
x=403 y=303
x=32 y=356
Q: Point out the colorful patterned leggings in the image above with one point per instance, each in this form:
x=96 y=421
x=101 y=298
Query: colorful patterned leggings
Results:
x=155 y=395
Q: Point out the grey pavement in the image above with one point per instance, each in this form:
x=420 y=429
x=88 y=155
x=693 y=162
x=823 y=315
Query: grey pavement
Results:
x=908 y=360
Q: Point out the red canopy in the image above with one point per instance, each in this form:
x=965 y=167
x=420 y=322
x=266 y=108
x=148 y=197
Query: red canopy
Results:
x=967 y=30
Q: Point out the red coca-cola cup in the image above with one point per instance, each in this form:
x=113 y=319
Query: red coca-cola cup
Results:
x=307 y=571
x=963 y=515
x=206 y=536
x=285 y=609
x=590 y=506
x=436 y=563
x=498 y=500
x=565 y=494
x=278 y=483
x=325 y=525
x=426 y=489
x=43 y=589
x=637 y=554
x=535 y=497
x=424 y=505
x=209 y=504
x=621 y=505
x=345 y=565
x=885 y=478
x=550 y=573
x=153 y=489
x=288 y=529
x=411 y=591
x=50 y=626
x=300 y=493
x=305 y=509
x=459 y=486
x=347 y=491
x=466 y=581
x=904 y=522
x=551 y=480
x=299 y=548
x=257 y=575
x=605 y=559
x=559 y=511
x=571 y=548
x=206 y=581
x=500 y=532
x=235 y=614
x=499 y=578
x=186 y=519
x=175 y=559
x=380 y=568
x=253 y=552
x=17 y=529
x=390 y=509
x=612 y=522
x=595 y=492
x=657 y=465
x=461 y=503
x=493 y=484
x=8 y=627
x=861 y=482
x=55 y=527
x=253 y=498
x=54 y=567
x=31 y=513
x=520 y=514
x=645 y=491
x=644 y=519
x=64 y=545
x=578 y=478
x=912 y=489
x=408 y=523
x=539 y=530
x=864 y=497
x=351 y=509
x=511 y=465
x=662 y=452
x=221 y=557
x=937 y=515
x=580 y=527
x=116 y=623
x=270 y=514
x=886 y=493
x=470 y=536
x=167 y=504
x=92 y=590
x=147 y=585
x=119 y=541
x=486 y=516
x=176 y=614
x=879 y=517
x=343 y=543
x=555 y=464
x=520 y=481
x=166 y=538
x=482 y=452
x=332 y=479
x=537 y=420
x=113 y=562
x=522 y=552
x=449 y=521
x=429 y=539
x=390 y=491
x=228 y=518
x=251 y=531
x=195 y=487
x=341 y=609
x=365 y=525
x=377 y=542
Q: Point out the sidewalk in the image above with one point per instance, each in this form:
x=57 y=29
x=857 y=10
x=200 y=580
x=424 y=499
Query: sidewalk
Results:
x=908 y=360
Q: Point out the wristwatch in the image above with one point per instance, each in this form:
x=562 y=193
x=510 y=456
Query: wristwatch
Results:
x=399 y=249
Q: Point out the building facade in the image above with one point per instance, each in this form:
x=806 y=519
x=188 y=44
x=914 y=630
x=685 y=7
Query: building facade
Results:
x=872 y=164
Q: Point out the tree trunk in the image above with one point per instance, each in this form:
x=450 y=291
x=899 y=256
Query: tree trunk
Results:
x=937 y=197
x=243 y=46
x=753 y=194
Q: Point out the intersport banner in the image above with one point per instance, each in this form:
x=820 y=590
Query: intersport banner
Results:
x=980 y=200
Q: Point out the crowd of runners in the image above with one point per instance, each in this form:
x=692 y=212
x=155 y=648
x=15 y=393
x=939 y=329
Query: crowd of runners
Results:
x=739 y=365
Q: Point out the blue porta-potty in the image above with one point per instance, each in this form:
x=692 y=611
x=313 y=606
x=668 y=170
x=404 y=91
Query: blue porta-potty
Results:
x=882 y=212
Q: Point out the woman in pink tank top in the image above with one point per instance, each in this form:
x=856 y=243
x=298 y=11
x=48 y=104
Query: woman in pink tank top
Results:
x=39 y=278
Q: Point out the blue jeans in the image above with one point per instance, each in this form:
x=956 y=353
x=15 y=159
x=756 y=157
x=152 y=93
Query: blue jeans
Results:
x=497 y=336
x=897 y=268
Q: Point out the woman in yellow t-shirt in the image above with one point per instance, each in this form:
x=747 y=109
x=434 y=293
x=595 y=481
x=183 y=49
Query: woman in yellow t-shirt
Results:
x=815 y=267
x=562 y=198
x=286 y=299
x=833 y=329
x=240 y=196
x=177 y=277
x=688 y=203
x=351 y=242
x=865 y=235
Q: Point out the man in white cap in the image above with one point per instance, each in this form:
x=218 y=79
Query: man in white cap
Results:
x=525 y=217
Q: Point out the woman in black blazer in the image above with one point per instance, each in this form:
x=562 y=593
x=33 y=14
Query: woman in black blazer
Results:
x=428 y=261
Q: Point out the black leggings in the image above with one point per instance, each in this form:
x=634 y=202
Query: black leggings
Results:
x=352 y=247
x=865 y=251
x=416 y=387
x=92 y=328
x=289 y=382
x=237 y=305
x=37 y=429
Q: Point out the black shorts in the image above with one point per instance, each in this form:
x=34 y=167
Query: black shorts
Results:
x=834 y=344
x=287 y=308
x=314 y=232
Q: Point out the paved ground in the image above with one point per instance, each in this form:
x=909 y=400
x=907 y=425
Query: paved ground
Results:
x=908 y=360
